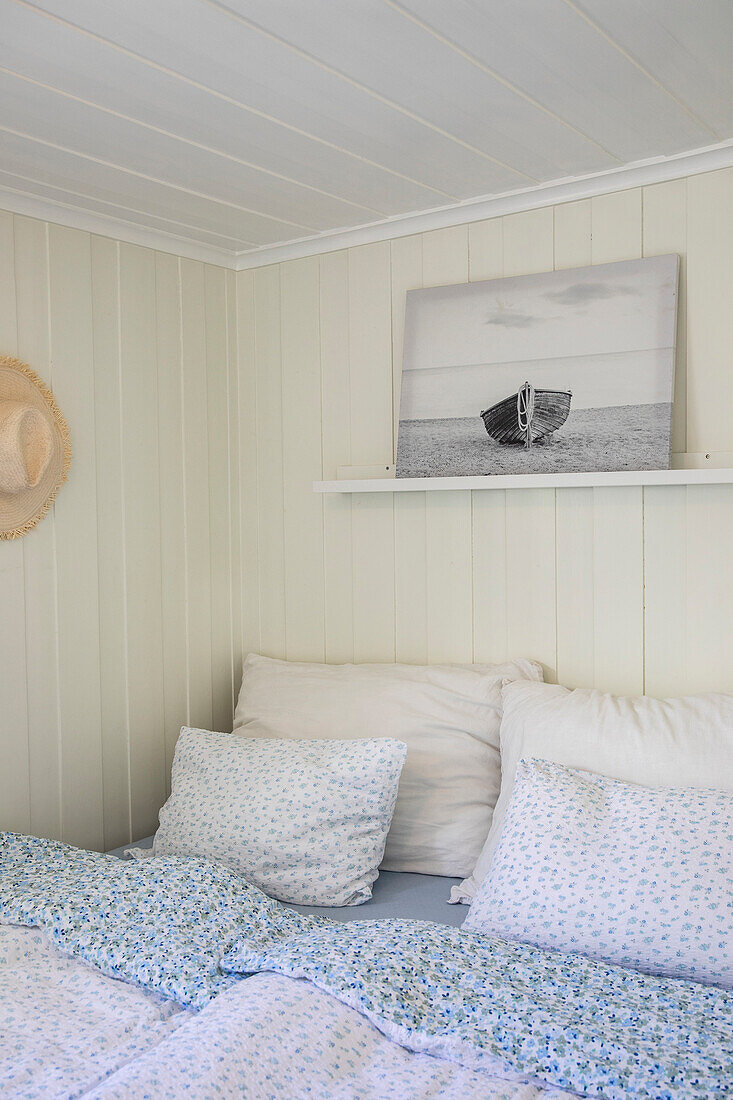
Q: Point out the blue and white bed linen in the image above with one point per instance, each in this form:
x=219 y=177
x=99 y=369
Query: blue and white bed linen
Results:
x=493 y=1007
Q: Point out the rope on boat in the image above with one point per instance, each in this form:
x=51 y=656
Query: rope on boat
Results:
x=525 y=412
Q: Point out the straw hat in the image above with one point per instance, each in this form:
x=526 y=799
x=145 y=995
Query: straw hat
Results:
x=35 y=452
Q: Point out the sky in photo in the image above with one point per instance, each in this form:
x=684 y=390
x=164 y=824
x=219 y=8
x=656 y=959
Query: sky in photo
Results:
x=607 y=333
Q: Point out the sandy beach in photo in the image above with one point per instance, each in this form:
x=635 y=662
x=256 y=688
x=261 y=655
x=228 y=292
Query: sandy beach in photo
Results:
x=621 y=437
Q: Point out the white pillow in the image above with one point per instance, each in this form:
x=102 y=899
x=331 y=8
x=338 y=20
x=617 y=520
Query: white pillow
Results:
x=684 y=742
x=629 y=875
x=447 y=715
x=305 y=821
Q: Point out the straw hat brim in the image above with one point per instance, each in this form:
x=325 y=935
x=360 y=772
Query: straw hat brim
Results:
x=20 y=512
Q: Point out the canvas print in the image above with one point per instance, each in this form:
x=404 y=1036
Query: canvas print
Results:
x=564 y=371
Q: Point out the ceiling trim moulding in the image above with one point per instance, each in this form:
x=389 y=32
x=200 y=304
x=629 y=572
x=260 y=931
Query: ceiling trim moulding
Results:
x=639 y=174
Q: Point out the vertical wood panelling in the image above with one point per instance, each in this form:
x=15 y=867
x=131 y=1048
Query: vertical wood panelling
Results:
x=488 y=510
x=371 y=396
x=560 y=576
x=217 y=407
x=336 y=450
x=233 y=474
x=709 y=316
x=486 y=250
x=302 y=462
x=665 y=231
x=247 y=419
x=202 y=405
x=665 y=514
x=665 y=589
x=709 y=587
x=411 y=584
x=174 y=591
x=113 y=657
x=77 y=556
x=574 y=507
x=270 y=498
x=95 y=599
x=141 y=494
x=618 y=540
x=14 y=775
x=448 y=521
x=530 y=514
x=31 y=288
x=195 y=465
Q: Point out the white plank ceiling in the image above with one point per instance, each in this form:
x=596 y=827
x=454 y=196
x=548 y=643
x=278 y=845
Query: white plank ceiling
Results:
x=240 y=124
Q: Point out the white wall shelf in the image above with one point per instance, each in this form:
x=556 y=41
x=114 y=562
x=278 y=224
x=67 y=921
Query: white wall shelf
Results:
x=705 y=476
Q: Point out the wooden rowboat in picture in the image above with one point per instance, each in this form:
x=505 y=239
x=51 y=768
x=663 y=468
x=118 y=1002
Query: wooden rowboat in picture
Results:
x=527 y=416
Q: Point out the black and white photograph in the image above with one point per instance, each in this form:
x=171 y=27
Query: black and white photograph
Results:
x=563 y=371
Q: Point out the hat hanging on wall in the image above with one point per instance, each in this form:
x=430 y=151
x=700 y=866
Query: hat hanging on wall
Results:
x=35 y=451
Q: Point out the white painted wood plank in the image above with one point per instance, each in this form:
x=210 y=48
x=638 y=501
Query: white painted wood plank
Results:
x=445 y=256
x=370 y=379
x=528 y=242
x=336 y=443
x=77 y=174
x=334 y=110
x=111 y=543
x=234 y=474
x=618 y=513
x=302 y=458
x=665 y=590
x=76 y=542
x=530 y=581
x=616 y=222
x=71 y=62
x=490 y=611
x=247 y=419
x=573 y=234
x=33 y=110
x=196 y=483
x=618 y=543
x=709 y=588
x=574 y=507
x=486 y=250
x=217 y=398
x=14 y=776
x=174 y=581
x=557 y=57
x=530 y=516
x=449 y=578
x=448 y=517
x=665 y=231
x=381 y=49
x=670 y=40
x=370 y=354
x=141 y=494
x=575 y=588
x=709 y=317
x=411 y=627
x=31 y=277
x=270 y=461
x=488 y=510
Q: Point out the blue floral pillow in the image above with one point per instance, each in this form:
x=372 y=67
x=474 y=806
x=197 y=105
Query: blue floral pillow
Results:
x=306 y=821
x=630 y=875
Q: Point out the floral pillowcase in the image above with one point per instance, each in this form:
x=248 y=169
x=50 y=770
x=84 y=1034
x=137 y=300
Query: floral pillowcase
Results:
x=629 y=875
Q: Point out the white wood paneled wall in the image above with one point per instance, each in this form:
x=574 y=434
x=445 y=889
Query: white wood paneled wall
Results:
x=116 y=621
x=627 y=589
x=202 y=405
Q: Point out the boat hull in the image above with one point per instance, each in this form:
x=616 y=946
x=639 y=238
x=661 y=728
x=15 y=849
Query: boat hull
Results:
x=551 y=410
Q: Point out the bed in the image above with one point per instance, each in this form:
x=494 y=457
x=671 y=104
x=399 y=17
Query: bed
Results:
x=171 y=977
x=395 y=894
x=596 y=958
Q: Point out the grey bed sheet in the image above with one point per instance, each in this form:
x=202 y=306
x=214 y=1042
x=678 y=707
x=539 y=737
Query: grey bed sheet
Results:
x=395 y=894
